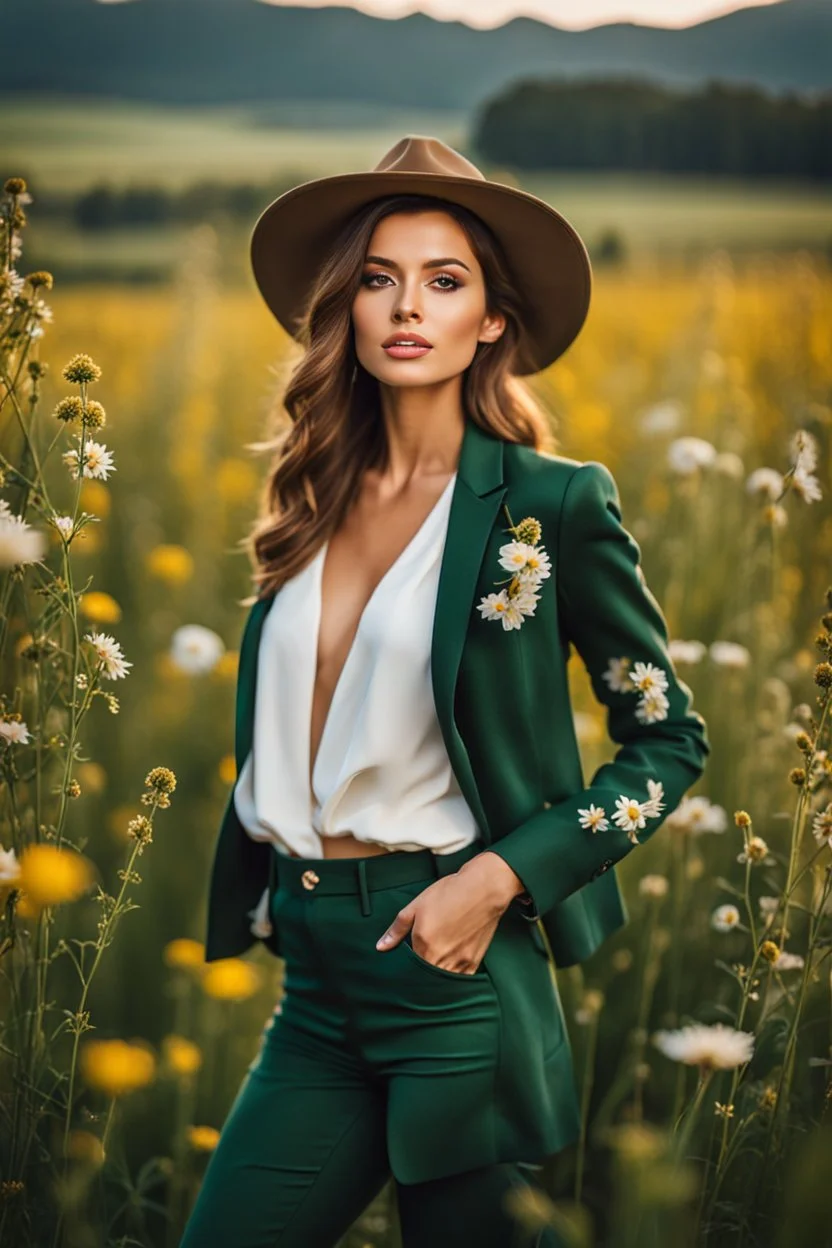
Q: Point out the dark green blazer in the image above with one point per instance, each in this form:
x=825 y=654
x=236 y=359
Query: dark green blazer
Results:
x=502 y=700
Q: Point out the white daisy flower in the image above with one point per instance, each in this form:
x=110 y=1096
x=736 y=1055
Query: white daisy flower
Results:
x=617 y=676
x=822 y=826
x=788 y=961
x=654 y=804
x=729 y=464
x=261 y=925
x=652 y=707
x=14 y=284
x=803 y=448
x=756 y=852
x=64 y=525
x=715 y=1047
x=500 y=607
x=663 y=417
x=807 y=485
x=527 y=561
x=653 y=886
x=98 y=461
x=14 y=731
x=526 y=599
x=687 y=651
x=19 y=542
x=108 y=650
x=595 y=818
x=648 y=678
x=9 y=868
x=195 y=649
x=697 y=815
x=765 y=481
x=724 y=918
x=729 y=654
x=686 y=455
x=629 y=815
x=768 y=906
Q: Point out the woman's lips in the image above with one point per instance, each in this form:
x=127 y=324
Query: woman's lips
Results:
x=406 y=353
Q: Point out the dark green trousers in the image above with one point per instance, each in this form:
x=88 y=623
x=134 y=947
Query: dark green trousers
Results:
x=378 y=1063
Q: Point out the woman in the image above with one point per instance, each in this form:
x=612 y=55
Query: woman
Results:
x=409 y=817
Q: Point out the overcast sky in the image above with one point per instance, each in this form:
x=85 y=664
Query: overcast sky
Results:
x=575 y=14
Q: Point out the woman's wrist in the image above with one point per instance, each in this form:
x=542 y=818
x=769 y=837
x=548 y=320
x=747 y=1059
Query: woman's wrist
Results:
x=500 y=880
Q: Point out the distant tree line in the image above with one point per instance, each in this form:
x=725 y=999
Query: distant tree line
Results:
x=104 y=206
x=623 y=125
x=721 y=129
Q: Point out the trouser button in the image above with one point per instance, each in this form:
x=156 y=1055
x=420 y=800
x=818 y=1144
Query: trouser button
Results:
x=310 y=879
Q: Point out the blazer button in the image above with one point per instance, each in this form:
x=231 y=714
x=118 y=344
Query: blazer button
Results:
x=309 y=879
x=547 y=805
x=605 y=866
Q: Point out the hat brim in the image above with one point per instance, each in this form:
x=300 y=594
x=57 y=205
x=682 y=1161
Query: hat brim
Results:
x=546 y=255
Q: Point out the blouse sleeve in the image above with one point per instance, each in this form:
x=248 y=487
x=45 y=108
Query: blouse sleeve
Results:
x=613 y=620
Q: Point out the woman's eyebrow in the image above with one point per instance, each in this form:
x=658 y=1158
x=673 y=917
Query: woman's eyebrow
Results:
x=429 y=264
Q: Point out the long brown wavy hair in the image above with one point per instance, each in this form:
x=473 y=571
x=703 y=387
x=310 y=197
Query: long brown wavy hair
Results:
x=336 y=430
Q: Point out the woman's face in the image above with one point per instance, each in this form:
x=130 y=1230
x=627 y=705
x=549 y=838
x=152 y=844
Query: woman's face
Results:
x=420 y=277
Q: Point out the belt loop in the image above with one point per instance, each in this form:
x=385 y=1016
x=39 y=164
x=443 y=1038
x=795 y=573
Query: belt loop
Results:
x=362 y=884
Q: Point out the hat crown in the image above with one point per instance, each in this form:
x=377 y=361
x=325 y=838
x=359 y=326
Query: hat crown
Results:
x=423 y=154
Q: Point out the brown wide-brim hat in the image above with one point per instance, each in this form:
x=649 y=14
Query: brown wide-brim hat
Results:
x=548 y=260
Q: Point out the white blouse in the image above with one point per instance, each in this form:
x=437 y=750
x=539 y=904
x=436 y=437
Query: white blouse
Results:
x=382 y=771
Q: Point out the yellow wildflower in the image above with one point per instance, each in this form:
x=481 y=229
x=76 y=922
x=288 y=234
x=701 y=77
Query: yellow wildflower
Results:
x=169 y=563
x=184 y=954
x=117 y=1067
x=50 y=875
x=85 y=1147
x=203 y=1139
x=95 y=497
x=182 y=1056
x=99 y=607
x=230 y=979
x=228 y=769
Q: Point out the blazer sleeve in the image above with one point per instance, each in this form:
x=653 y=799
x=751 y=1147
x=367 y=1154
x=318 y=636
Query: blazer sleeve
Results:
x=611 y=617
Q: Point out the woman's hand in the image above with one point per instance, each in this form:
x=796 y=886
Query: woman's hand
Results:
x=454 y=919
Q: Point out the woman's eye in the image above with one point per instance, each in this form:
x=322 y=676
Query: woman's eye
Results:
x=446 y=277
x=369 y=278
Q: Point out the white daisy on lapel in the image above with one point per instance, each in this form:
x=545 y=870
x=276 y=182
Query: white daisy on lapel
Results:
x=529 y=564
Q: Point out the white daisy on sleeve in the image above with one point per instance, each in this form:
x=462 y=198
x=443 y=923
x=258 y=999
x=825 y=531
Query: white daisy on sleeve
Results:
x=617 y=676
x=654 y=804
x=652 y=707
x=648 y=678
x=595 y=818
x=630 y=816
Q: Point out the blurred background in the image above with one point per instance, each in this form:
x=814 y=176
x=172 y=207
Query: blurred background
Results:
x=690 y=144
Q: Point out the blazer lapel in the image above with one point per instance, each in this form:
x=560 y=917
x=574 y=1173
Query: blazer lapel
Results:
x=247 y=679
x=477 y=495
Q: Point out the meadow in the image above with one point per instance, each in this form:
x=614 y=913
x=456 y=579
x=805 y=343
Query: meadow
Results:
x=702 y=379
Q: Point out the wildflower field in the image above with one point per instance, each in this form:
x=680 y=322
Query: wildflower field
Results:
x=702 y=1032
